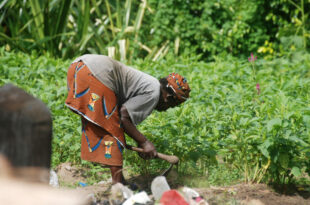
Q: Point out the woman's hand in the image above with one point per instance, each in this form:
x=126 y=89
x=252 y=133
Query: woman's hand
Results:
x=132 y=131
x=149 y=150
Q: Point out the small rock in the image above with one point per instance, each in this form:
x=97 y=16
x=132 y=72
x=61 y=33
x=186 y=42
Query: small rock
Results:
x=159 y=186
x=68 y=167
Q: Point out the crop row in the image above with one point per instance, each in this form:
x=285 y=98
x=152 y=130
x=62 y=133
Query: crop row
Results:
x=257 y=122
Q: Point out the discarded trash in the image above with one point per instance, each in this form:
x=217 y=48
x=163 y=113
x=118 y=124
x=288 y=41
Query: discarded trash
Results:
x=193 y=197
x=159 y=186
x=190 y=192
x=133 y=186
x=53 y=179
x=140 y=198
x=172 y=197
x=82 y=184
x=120 y=192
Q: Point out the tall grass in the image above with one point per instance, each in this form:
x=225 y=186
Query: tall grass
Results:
x=67 y=28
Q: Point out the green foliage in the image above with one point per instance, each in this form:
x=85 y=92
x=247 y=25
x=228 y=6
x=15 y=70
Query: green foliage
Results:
x=294 y=11
x=68 y=28
x=221 y=27
x=264 y=136
x=34 y=24
x=131 y=28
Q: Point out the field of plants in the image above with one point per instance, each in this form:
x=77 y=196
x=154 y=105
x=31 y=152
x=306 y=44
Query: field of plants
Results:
x=247 y=119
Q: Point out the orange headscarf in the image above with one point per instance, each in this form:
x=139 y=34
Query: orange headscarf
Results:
x=179 y=86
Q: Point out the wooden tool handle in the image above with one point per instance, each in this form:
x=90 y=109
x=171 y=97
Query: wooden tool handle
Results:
x=169 y=158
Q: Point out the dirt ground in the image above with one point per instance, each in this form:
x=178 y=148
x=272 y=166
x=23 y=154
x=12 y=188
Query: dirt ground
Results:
x=243 y=194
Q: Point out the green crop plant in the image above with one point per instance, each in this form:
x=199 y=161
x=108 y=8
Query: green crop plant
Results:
x=263 y=136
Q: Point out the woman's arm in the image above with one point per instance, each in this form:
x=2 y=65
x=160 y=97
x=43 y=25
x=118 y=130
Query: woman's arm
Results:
x=132 y=131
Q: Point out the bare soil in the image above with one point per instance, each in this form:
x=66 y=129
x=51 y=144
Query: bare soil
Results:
x=71 y=176
x=250 y=194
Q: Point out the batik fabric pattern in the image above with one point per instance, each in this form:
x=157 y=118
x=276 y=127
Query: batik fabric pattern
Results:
x=103 y=138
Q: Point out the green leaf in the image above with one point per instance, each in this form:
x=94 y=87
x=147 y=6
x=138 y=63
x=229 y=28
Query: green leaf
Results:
x=62 y=16
x=296 y=171
x=284 y=160
x=38 y=17
x=306 y=119
x=297 y=140
x=273 y=123
x=264 y=148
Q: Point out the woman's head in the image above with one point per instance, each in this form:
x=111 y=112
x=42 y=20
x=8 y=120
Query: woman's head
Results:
x=174 y=91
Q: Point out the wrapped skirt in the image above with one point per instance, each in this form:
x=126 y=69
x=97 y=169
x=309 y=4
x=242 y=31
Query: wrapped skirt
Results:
x=103 y=137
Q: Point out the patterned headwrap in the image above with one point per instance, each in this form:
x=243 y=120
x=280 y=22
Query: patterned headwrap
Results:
x=179 y=86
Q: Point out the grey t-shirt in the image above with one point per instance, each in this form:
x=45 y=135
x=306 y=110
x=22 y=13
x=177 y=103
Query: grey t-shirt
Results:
x=137 y=91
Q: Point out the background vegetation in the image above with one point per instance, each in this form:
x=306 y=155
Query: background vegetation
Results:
x=263 y=133
x=130 y=29
x=247 y=114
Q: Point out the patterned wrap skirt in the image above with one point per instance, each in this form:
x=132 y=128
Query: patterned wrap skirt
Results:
x=103 y=138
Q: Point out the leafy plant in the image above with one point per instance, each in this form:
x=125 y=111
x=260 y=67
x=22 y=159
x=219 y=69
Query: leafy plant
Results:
x=151 y=28
x=70 y=28
x=264 y=138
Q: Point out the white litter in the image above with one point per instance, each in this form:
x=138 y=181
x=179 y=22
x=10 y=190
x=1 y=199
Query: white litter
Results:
x=53 y=179
x=159 y=186
x=140 y=198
